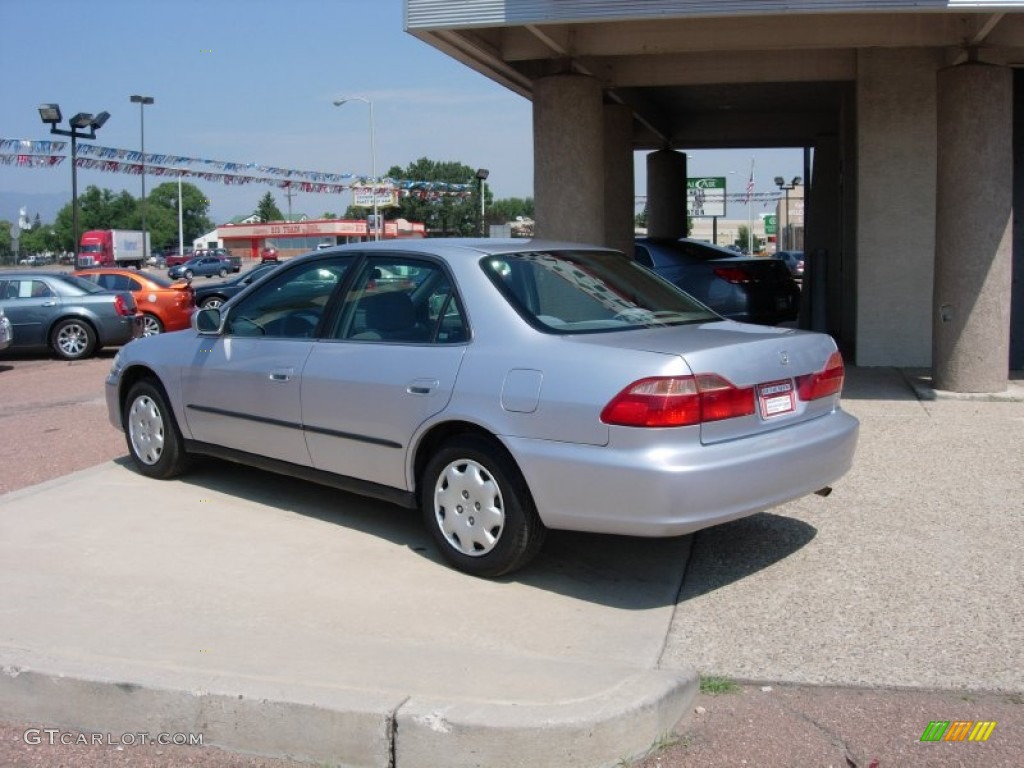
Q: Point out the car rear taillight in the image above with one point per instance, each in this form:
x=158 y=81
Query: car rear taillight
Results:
x=825 y=382
x=678 y=401
x=124 y=306
x=734 y=275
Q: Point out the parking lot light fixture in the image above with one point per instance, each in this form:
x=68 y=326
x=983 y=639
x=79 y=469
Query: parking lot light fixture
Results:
x=785 y=232
x=481 y=177
x=373 y=158
x=142 y=101
x=51 y=115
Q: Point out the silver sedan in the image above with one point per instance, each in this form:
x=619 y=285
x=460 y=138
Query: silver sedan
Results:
x=504 y=388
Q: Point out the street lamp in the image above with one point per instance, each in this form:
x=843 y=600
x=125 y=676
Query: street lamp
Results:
x=373 y=158
x=51 y=115
x=142 y=101
x=781 y=184
x=481 y=176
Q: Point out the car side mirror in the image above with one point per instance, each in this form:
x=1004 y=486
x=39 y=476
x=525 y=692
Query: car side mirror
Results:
x=208 y=322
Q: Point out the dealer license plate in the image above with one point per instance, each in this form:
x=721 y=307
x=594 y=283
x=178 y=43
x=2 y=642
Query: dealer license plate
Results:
x=775 y=398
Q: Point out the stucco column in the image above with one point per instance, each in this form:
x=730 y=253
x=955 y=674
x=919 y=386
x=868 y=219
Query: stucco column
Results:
x=666 y=194
x=568 y=158
x=619 y=210
x=973 y=231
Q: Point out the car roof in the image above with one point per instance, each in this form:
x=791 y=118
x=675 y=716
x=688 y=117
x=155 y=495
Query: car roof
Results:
x=470 y=247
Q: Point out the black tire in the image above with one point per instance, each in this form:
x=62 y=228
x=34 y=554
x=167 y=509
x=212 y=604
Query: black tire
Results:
x=211 y=302
x=222 y=273
x=472 y=476
x=73 y=339
x=189 y=274
x=151 y=431
x=151 y=325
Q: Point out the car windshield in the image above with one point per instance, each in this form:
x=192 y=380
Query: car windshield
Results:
x=78 y=286
x=590 y=292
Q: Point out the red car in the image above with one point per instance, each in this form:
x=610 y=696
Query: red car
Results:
x=268 y=254
x=165 y=305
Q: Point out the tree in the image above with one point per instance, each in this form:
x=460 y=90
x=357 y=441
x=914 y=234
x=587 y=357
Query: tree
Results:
x=445 y=213
x=508 y=209
x=162 y=214
x=97 y=209
x=267 y=209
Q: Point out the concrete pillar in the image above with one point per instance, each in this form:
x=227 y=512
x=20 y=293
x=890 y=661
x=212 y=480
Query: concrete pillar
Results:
x=619 y=210
x=568 y=158
x=666 y=194
x=973 y=230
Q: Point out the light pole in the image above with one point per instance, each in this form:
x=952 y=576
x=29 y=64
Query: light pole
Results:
x=481 y=177
x=373 y=159
x=142 y=101
x=781 y=184
x=51 y=115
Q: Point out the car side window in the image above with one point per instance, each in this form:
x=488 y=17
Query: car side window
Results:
x=113 y=282
x=643 y=256
x=37 y=289
x=402 y=300
x=291 y=305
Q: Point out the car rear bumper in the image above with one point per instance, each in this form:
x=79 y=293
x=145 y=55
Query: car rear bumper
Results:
x=674 y=488
x=120 y=330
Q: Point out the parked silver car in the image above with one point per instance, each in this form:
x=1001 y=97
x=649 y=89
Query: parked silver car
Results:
x=72 y=316
x=503 y=387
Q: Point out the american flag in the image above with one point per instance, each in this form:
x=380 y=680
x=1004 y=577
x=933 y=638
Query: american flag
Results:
x=750 y=187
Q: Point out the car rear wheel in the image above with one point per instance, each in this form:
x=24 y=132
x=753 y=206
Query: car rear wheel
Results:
x=73 y=339
x=154 y=440
x=211 y=303
x=222 y=272
x=478 y=508
x=151 y=325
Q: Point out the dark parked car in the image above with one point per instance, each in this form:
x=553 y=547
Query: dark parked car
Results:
x=72 y=316
x=215 y=294
x=225 y=254
x=201 y=265
x=750 y=289
x=794 y=260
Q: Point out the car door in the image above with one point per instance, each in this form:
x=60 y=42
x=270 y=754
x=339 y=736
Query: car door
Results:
x=389 y=362
x=243 y=392
x=30 y=304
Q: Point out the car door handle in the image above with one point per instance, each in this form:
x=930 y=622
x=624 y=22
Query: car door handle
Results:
x=422 y=386
x=282 y=374
x=49 y=303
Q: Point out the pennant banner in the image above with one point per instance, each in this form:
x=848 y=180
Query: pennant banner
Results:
x=32 y=161
x=26 y=146
x=29 y=153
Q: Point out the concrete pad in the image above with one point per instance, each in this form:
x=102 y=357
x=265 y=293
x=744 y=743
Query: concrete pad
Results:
x=287 y=619
x=908 y=575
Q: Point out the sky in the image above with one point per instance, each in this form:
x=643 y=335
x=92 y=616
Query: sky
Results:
x=253 y=81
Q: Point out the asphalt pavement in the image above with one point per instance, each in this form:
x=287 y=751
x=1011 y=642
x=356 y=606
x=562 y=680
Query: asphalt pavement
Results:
x=285 y=619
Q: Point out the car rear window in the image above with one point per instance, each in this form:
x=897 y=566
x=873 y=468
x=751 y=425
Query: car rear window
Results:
x=589 y=292
x=78 y=285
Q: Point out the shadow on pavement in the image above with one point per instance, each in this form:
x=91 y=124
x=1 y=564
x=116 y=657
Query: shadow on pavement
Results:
x=618 y=571
x=733 y=551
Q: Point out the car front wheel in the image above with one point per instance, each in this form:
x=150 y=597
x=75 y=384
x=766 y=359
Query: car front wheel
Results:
x=151 y=325
x=73 y=339
x=154 y=440
x=478 y=508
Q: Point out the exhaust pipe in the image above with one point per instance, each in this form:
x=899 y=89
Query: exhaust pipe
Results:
x=823 y=492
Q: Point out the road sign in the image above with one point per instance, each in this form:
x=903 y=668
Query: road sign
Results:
x=705 y=196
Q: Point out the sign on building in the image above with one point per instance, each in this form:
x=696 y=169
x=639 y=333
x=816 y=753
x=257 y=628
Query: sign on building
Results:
x=362 y=197
x=705 y=196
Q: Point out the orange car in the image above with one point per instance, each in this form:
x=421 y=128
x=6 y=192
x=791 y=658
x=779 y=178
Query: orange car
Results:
x=165 y=305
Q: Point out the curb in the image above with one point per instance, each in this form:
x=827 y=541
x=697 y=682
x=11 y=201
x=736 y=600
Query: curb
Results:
x=360 y=728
